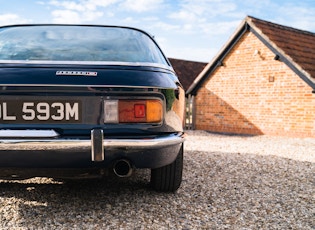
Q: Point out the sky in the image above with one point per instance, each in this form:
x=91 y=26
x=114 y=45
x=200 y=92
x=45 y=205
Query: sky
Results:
x=192 y=30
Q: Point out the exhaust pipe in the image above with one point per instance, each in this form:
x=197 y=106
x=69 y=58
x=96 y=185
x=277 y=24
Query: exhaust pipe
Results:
x=122 y=168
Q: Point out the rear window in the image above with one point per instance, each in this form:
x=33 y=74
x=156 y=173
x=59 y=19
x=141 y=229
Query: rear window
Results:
x=78 y=43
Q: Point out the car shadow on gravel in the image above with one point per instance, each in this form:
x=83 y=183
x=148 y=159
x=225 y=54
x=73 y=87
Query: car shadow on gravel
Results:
x=43 y=189
x=219 y=191
x=89 y=202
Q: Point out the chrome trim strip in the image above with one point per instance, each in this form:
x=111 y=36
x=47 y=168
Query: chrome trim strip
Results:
x=153 y=143
x=6 y=133
x=86 y=145
x=85 y=86
x=101 y=63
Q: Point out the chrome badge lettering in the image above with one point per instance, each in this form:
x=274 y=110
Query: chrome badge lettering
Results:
x=76 y=73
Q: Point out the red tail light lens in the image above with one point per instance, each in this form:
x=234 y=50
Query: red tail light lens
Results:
x=133 y=111
x=140 y=110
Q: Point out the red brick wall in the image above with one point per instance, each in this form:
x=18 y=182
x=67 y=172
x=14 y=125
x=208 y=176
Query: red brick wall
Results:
x=255 y=94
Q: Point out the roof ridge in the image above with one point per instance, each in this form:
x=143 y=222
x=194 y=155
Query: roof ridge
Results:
x=276 y=25
x=185 y=60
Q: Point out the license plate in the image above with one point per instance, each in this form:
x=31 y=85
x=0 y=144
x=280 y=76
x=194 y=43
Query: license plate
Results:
x=58 y=111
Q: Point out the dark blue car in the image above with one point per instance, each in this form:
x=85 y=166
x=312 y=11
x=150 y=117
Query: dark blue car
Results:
x=79 y=100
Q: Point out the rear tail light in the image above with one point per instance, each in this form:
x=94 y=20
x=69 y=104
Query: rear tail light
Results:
x=133 y=111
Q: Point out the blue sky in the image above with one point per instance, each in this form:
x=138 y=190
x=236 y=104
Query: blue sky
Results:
x=188 y=29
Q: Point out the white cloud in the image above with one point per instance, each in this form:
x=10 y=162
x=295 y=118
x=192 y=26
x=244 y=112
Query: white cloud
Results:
x=184 y=15
x=71 y=16
x=219 y=28
x=142 y=5
x=151 y=19
x=297 y=16
x=91 y=5
x=130 y=21
x=102 y=3
x=165 y=26
x=66 y=16
x=68 y=5
x=196 y=11
x=79 y=11
x=82 y=5
x=205 y=16
x=9 y=19
x=90 y=16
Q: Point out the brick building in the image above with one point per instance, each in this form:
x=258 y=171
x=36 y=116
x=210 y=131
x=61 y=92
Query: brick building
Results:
x=261 y=82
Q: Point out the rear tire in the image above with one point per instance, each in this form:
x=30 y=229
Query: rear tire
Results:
x=168 y=178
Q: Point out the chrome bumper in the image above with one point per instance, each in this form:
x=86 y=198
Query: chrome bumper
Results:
x=47 y=140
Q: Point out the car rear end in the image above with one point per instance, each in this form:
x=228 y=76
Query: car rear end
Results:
x=79 y=107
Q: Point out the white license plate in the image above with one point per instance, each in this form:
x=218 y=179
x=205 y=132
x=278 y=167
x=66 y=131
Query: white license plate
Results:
x=58 y=111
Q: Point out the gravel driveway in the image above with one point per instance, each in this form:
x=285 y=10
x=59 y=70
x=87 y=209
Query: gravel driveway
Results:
x=230 y=182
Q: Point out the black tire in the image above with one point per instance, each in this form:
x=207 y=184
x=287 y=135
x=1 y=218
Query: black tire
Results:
x=168 y=178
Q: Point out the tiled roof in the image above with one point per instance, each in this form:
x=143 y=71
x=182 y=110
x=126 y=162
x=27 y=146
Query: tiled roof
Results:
x=294 y=47
x=297 y=44
x=187 y=71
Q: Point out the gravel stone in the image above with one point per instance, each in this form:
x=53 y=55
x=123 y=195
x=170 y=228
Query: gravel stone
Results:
x=229 y=182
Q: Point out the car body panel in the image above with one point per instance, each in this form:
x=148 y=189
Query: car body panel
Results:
x=115 y=76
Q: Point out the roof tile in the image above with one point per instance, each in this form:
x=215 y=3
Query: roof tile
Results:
x=187 y=71
x=299 y=45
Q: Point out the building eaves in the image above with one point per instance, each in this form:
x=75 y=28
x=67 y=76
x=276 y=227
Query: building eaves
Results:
x=218 y=59
x=300 y=59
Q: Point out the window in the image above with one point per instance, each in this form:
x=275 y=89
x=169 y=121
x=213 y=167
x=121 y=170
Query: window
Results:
x=78 y=43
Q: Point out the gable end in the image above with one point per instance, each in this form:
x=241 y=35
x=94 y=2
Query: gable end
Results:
x=253 y=25
x=281 y=57
x=218 y=61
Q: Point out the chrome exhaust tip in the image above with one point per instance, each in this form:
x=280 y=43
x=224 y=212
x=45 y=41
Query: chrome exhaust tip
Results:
x=122 y=168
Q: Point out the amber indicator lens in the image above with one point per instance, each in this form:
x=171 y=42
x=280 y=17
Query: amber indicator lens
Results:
x=154 y=113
